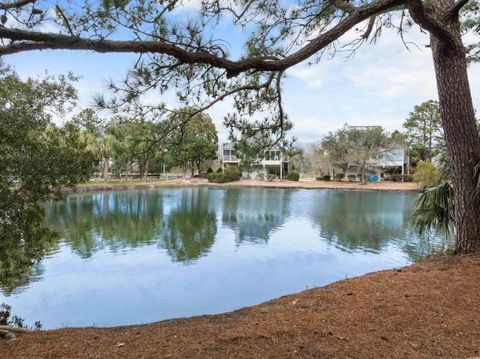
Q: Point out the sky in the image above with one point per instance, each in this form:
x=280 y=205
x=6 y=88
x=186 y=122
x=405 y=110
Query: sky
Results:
x=379 y=86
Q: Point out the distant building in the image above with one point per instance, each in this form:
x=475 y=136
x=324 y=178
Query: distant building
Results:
x=389 y=162
x=273 y=161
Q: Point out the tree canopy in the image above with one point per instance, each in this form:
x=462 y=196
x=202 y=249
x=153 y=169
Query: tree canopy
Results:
x=423 y=130
x=37 y=158
x=195 y=140
x=353 y=146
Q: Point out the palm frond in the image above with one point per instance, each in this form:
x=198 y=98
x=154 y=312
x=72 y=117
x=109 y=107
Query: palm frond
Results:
x=433 y=210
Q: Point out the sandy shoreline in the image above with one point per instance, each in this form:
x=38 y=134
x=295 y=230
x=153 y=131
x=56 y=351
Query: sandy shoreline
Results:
x=371 y=186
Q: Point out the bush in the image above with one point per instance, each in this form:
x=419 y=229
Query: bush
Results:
x=230 y=174
x=426 y=174
x=233 y=172
x=324 y=178
x=339 y=176
x=407 y=178
x=352 y=178
x=293 y=176
x=219 y=170
x=397 y=178
x=270 y=177
x=261 y=176
x=209 y=170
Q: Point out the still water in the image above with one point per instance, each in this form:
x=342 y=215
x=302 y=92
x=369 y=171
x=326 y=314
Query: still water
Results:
x=124 y=257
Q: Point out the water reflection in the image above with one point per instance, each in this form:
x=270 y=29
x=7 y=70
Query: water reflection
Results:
x=254 y=214
x=107 y=220
x=300 y=231
x=20 y=259
x=180 y=221
x=190 y=228
x=354 y=220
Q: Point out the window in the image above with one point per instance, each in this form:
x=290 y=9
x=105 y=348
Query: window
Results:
x=272 y=155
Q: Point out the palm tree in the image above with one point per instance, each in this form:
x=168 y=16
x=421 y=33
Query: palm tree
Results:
x=434 y=208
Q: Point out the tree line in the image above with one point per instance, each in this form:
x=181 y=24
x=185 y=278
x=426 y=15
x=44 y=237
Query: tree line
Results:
x=124 y=146
x=421 y=139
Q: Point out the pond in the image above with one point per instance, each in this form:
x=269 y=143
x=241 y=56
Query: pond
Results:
x=124 y=257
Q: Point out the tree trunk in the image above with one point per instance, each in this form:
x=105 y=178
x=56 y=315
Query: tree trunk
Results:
x=362 y=173
x=461 y=137
x=106 y=163
x=145 y=173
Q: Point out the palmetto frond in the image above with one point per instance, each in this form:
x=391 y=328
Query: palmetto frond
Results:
x=434 y=209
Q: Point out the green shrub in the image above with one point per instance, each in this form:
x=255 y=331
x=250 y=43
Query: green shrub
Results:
x=219 y=170
x=270 y=177
x=261 y=176
x=339 y=176
x=397 y=178
x=293 y=176
x=324 y=178
x=209 y=170
x=352 y=178
x=426 y=174
x=407 y=178
x=230 y=174
x=274 y=171
x=233 y=172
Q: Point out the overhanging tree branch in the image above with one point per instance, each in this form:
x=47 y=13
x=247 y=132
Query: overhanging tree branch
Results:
x=457 y=7
x=32 y=40
x=16 y=5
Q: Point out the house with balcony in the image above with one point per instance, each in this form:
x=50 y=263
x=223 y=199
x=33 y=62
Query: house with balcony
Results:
x=273 y=161
x=389 y=162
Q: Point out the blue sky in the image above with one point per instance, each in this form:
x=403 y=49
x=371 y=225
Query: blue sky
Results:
x=379 y=86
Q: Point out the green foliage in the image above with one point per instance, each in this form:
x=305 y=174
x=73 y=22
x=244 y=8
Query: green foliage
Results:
x=219 y=170
x=350 y=145
x=131 y=141
x=340 y=176
x=402 y=178
x=274 y=170
x=324 y=178
x=37 y=158
x=270 y=177
x=261 y=176
x=209 y=170
x=434 y=209
x=426 y=174
x=352 y=178
x=233 y=171
x=423 y=131
x=194 y=140
x=230 y=174
x=293 y=176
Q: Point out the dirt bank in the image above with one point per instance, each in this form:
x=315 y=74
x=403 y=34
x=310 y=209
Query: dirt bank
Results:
x=372 y=186
x=428 y=310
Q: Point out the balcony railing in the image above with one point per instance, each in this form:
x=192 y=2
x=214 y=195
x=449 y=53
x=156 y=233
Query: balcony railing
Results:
x=230 y=158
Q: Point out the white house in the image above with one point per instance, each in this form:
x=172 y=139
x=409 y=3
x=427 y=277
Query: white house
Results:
x=273 y=161
x=389 y=161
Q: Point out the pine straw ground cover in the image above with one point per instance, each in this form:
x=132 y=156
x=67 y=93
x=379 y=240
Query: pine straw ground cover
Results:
x=428 y=310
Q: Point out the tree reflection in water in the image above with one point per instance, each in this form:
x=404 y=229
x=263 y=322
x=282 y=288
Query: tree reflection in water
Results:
x=21 y=253
x=182 y=222
x=253 y=214
x=370 y=221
